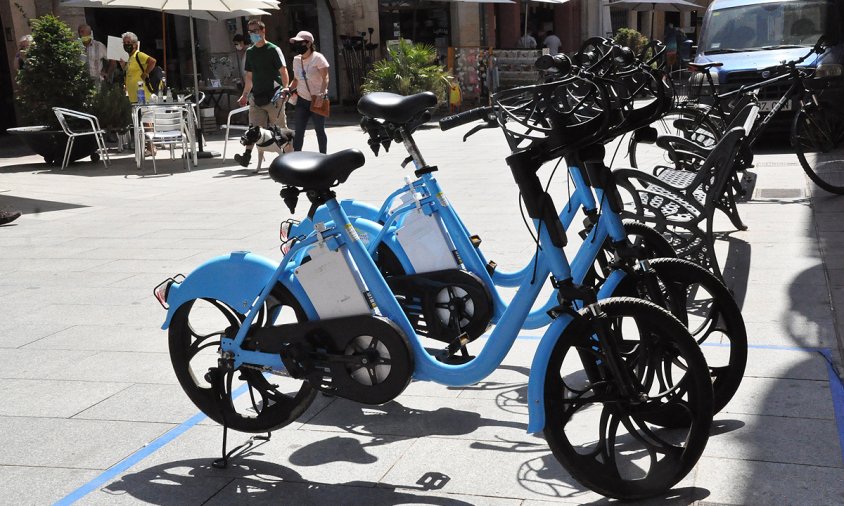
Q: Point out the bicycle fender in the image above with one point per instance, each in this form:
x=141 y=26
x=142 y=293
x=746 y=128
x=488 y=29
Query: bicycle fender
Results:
x=235 y=279
x=353 y=209
x=538 y=369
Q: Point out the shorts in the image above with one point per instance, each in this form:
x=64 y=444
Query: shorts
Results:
x=264 y=115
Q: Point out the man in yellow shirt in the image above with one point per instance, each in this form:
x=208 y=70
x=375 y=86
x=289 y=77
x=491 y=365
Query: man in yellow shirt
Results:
x=138 y=66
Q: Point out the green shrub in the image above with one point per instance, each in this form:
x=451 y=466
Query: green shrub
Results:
x=54 y=74
x=408 y=69
x=111 y=107
x=631 y=38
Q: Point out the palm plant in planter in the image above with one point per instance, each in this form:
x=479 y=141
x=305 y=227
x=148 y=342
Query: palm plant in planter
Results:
x=408 y=69
x=54 y=76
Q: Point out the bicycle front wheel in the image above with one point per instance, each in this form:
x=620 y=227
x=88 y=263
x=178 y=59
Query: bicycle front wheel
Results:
x=597 y=424
x=818 y=140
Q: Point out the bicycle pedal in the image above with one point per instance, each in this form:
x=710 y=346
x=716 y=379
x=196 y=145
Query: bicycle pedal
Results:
x=454 y=346
x=490 y=267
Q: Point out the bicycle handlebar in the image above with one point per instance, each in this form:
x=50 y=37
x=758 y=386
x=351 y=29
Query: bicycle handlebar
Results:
x=462 y=118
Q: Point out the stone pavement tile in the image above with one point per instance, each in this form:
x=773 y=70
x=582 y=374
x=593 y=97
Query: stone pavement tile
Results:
x=296 y=455
x=28 y=252
x=274 y=492
x=158 y=488
x=830 y=221
x=79 y=444
x=782 y=397
x=54 y=398
x=101 y=296
x=109 y=337
x=61 y=279
x=145 y=313
x=16 y=336
x=34 y=265
x=800 y=301
x=25 y=485
x=38 y=364
x=143 y=403
x=806 y=441
x=739 y=481
x=792 y=332
x=126 y=367
x=519 y=471
x=477 y=419
x=789 y=364
x=140 y=253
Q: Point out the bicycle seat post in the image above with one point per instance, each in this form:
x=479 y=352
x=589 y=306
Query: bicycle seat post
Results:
x=412 y=148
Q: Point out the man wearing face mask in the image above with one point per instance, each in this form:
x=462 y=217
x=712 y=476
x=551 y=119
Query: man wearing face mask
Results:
x=93 y=53
x=265 y=66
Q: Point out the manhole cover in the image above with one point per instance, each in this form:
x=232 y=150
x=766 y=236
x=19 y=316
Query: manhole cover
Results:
x=779 y=193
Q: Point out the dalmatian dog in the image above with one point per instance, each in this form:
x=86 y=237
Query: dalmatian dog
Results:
x=274 y=139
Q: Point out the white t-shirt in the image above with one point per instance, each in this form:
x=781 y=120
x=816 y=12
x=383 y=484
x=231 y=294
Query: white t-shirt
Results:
x=308 y=75
x=93 y=55
x=527 y=41
x=552 y=42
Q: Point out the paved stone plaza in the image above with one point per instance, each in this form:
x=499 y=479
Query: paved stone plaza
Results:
x=90 y=410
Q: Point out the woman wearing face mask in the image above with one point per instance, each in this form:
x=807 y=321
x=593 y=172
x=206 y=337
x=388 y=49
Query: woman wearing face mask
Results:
x=310 y=80
x=240 y=47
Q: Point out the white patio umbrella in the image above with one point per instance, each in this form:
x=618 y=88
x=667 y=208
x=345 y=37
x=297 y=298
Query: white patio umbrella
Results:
x=194 y=8
x=657 y=5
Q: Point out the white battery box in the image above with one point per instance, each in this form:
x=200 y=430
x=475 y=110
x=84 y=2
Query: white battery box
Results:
x=333 y=283
x=425 y=243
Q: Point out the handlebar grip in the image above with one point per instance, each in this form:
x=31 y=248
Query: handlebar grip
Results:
x=462 y=118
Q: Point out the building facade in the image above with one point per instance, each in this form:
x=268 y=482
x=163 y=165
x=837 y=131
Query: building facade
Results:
x=351 y=33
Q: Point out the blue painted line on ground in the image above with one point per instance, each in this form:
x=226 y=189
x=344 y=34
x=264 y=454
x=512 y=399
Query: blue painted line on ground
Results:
x=836 y=388
x=117 y=469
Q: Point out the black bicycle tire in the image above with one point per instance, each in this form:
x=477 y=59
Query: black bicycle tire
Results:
x=206 y=399
x=799 y=119
x=692 y=110
x=726 y=381
x=587 y=470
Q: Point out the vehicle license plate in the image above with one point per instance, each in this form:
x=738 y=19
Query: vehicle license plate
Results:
x=767 y=105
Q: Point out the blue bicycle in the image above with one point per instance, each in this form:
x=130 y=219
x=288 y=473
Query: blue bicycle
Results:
x=333 y=324
x=449 y=290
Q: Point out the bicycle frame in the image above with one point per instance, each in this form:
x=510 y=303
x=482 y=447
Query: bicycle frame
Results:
x=433 y=201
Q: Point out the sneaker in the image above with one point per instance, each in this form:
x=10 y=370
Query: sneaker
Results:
x=9 y=216
x=243 y=159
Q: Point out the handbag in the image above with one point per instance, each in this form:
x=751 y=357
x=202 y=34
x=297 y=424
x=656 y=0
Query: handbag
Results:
x=153 y=80
x=322 y=110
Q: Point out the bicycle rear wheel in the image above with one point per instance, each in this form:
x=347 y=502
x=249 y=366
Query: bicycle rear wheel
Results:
x=818 y=140
x=688 y=121
x=603 y=437
x=705 y=306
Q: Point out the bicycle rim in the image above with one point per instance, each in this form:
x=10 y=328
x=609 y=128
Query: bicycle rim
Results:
x=817 y=141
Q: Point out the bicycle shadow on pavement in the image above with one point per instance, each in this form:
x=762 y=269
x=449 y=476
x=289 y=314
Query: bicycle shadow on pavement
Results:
x=252 y=481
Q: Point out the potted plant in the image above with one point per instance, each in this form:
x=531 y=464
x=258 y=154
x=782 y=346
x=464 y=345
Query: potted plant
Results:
x=408 y=69
x=54 y=76
x=111 y=108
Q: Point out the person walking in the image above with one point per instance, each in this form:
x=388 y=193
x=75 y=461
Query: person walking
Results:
x=264 y=68
x=240 y=47
x=310 y=82
x=23 y=47
x=552 y=42
x=93 y=53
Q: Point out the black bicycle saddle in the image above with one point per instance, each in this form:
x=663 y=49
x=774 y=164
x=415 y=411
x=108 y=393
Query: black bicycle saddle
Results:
x=395 y=108
x=315 y=171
